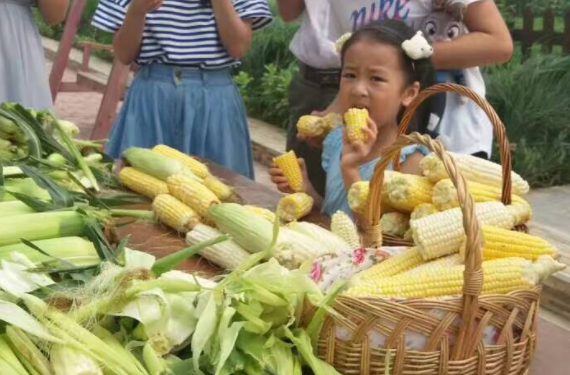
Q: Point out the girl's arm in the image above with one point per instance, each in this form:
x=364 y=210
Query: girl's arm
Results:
x=412 y=164
x=290 y=10
x=53 y=11
x=488 y=41
x=234 y=32
x=128 y=39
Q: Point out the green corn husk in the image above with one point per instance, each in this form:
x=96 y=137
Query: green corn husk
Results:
x=21 y=343
x=74 y=250
x=10 y=359
x=68 y=361
x=13 y=208
x=25 y=186
x=39 y=226
x=155 y=164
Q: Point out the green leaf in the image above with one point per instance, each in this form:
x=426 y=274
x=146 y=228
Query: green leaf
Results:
x=60 y=197
x=18 y=317
x=227 y=337
x=205 y=329
x=302 y=342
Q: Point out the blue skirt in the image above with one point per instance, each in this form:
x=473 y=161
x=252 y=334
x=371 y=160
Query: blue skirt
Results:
x=196 y=111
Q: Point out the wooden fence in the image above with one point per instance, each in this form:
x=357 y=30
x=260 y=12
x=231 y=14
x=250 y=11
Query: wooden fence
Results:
x=547 y=37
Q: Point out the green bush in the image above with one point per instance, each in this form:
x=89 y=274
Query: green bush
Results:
x=533 y=102
x=266 y=98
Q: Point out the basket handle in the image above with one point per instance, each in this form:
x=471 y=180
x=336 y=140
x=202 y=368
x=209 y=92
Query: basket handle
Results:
x=499 y=128
x=473 y=274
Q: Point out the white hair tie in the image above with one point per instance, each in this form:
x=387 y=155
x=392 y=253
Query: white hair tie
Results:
x=418 y=47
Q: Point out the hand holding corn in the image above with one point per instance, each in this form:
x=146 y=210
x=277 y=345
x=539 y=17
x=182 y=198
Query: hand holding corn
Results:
x=289 y=173
x=356 y=150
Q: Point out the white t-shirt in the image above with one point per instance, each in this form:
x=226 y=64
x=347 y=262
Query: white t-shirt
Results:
x=464 y=124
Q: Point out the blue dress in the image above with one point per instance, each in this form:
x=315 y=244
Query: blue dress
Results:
x=335 y=194
x=23 y=73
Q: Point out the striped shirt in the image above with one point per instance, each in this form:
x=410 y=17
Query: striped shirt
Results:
x=182 y=32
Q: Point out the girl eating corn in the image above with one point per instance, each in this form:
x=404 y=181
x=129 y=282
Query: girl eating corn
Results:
x=183 y=94
x=382 y=72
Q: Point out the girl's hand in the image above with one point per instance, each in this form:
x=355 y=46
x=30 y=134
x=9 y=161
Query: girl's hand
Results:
x=279 y=179
x=355 y=154
x=142 y=7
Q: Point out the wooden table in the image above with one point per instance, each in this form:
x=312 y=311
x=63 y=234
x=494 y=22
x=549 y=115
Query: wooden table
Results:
x=552 y=356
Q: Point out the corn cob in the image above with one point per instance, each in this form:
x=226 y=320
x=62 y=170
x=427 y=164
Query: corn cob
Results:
x=339 y=44
x=441 y=263
x=289 y=165
x=227 y=254
x=200 y=169
x=155 y=164
x=442 y=233
x=294 y=206
x=331 y=121
x=328 y=240
x=395 y=223
x=423 y=210
x=294 y=248
x=174 y=213
x=342 y=226
x=310 y=126
x=356 y=121
x=406 y=191
x=504 y=243
x=358 y=194
x=142 y=183
x=445 y=194
x=192 y=193
x=264 y=212
x=14 y=208
x=499 y=277
x=406 y=260
x=521 y=212
x=473 y=169
x=222 y=191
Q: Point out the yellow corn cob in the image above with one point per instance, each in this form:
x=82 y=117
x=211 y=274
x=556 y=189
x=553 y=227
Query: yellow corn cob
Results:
x=339 y=44
x=142 y=183
x=200 y=169
x=222 y=191
x=473 y=169
x=331 y=121
x=406 y=191
x=295 y=206
x=442 y=263
x=406 y=260
x=442 y=233
x=504 y=243
x=310 y=126
x=445 y=194
x=192 y=193
x=423 y=210
x=228 y=254
x=521 y=212
x=358 y=196
x=342 y=226
x=174 y=213
x=499 y=276
x=395 y=223
x=356 y=120
x=289 y=165
x=267 y=214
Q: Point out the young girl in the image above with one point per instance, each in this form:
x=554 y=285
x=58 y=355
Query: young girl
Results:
x=23 y=75
x=377 y=74
x=183 y=94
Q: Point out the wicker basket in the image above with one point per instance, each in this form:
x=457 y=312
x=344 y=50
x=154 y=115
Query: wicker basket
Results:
x=500 y=134
x=454 y=336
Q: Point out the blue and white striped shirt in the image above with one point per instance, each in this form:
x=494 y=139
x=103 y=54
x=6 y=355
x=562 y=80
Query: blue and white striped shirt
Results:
x=182 y=32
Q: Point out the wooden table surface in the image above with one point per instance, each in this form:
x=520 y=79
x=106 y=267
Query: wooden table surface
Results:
x=552 y=356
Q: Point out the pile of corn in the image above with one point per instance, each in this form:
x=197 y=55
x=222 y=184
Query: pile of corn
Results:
x=430 y=201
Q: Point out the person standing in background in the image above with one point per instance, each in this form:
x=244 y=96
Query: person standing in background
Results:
x=316 y=85
x=183 y=94
x=23 y=75
x=464 y=126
